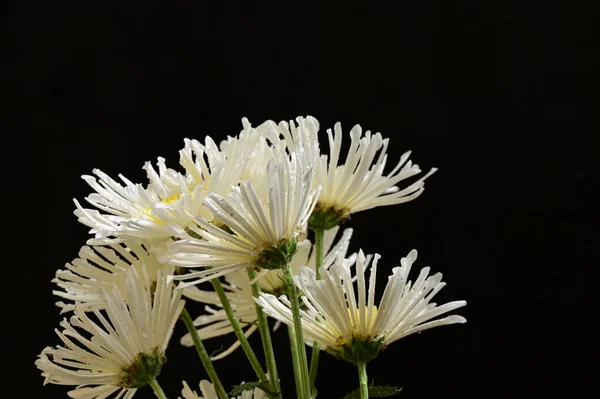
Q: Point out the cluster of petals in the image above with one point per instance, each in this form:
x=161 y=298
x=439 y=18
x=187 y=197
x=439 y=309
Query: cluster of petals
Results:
x=138 y=323
x=129 y=210
x=100 y=267
x=359 y=183
x=335 y=315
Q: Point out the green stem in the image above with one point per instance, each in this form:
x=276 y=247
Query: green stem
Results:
x=204 y=356
x=301 y=354
x=362 y=376
x=160 y=394
x=314 y=366
x=314 y=358
x=319 y=247
x=237 y=328
x=265 y=335
x=295 y=362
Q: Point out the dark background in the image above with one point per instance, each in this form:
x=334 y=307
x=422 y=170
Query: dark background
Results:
x=488 y=93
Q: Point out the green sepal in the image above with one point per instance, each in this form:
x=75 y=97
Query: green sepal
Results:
x=144 y=369
x=359 y=349
x=326 y=218
x=278 y=256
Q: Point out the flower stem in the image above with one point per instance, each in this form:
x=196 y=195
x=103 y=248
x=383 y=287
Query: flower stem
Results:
x=292 y=292
x=362 y=376
x=204 y=356
x=160 y=394
x=265 y=335
x=237 y=328
x=295 y=362
x=319 y=247
x=314 y=358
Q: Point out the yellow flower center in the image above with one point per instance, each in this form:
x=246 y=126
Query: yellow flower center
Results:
x=168 y=200
x=355 y=326
x=373 y=318
x=148 y=212
x=171 y=199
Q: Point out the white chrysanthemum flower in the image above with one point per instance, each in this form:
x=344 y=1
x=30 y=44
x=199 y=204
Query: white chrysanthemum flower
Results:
x=357 y=330
x=100 y=268
x=132 y=211
x=127 y=347
x=359 y=184
x=265 y=218
x=207 y=391
x=300 y=137
x=239 y=291
x=224 y=165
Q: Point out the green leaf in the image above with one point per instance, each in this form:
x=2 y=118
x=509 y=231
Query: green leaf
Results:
x=375 y=392
x=383 y=391
x=216 y=351
x=248 y=386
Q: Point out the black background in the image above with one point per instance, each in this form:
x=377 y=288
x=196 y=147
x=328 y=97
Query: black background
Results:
x=487 y=93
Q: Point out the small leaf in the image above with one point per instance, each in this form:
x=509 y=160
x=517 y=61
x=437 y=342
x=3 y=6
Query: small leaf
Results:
x=248 y=386
x=216 y=351
x=375 y=392
x=383 y=391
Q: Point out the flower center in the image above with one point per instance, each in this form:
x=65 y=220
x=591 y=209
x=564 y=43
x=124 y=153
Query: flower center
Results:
x=358 y=322
x=168 y=200
x=148 y=212
x=171 y=199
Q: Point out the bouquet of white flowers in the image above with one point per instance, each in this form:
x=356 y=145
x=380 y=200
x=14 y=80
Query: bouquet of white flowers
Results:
x=238 y=217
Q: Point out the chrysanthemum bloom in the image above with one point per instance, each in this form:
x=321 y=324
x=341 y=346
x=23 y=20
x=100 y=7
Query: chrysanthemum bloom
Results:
x=132 y=211
x=100 y=268
x=226 y=163
x=264 y=219
x=239 y=291
x=300 y=137
x=357 y=330
x=135 y=211
x=208 y=392
x=360 y=184
x=127 y=346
